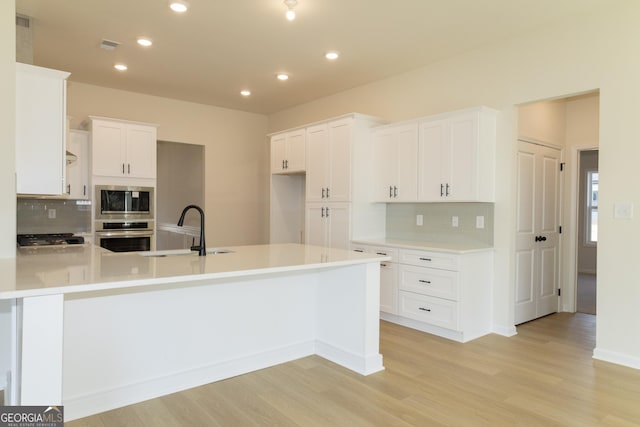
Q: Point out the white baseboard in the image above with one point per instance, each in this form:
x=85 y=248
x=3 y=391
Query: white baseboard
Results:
x=357 y=363
x=617 y=358
x=506 y=331
x=81 y=406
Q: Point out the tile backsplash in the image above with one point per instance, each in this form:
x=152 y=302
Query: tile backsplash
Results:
x=39 y=216
x=437 y=222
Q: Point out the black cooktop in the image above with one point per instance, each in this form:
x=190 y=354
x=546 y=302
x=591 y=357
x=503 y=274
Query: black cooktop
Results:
x=49 y=239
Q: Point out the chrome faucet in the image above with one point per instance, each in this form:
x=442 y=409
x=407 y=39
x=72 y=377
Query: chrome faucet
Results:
x=202 y=248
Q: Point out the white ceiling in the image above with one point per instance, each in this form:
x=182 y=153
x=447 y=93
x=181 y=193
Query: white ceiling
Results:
x=218 y=48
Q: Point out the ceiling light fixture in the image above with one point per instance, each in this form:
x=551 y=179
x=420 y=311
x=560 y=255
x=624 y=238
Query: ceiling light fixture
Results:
x=245 y=92
x=282 y=76
x=142 y=41
x=120 y=67
x=332 y=55
x=291 y=4
x=179 y=6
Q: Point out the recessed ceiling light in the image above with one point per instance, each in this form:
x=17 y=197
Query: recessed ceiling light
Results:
x=245 y=92
x=282 y=76
x=332 y=55
x=142 y=41
x=120 y=67
x=179 y=6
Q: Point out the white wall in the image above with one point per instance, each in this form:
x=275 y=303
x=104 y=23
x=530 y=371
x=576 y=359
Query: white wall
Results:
x=575 y=56
x=236 y=153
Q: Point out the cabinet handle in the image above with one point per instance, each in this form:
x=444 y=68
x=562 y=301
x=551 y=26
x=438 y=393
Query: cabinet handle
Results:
x=381 y=253
x=283 y=164
x=323 y=196
x=425 y=259
x=382 y=264
x=425 y=281
x=395 y=191
x=322 y=213
x=68 y=188
x=129 y=168
x=327 y=192
x=424 y=309
x=390 y=191
x=447 y=192
x=441 y=190
x=123 y=169
x=326 y=212
x=286 y=164
x=358 y=250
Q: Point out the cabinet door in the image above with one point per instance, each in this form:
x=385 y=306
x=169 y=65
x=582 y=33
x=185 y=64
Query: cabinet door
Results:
x=384 y=164
x=78 y=171
x=278 y=145
x=141 y=151
x=339 y=185
x=433 y=160
x=295 y=151
x=317 y=164
x=108 y=143
x=407 y=164
x=316 y=225
x=388 y=287
x=337 y=215
x=40 y=130
x=462 y=150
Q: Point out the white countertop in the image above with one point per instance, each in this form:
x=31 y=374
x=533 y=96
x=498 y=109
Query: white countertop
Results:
x=448 y=247
x=82 y=268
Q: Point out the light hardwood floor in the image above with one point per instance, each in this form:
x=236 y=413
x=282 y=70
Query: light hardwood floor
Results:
x=544 y=376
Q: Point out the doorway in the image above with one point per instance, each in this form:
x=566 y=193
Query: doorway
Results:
x=587 y=221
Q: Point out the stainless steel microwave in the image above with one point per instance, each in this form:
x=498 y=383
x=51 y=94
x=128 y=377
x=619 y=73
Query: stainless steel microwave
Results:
x=122 y=202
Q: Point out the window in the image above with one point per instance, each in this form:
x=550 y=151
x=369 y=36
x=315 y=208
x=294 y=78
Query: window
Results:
x=592 y=207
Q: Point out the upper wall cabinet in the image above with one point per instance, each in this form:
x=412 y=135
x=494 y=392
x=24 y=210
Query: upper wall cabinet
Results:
x=329 y=161
x=78 y=169
x=40 y=130
x=288 y=152
x=445 y=158
x=395 y=161
x=123 y=149
x=457 y=157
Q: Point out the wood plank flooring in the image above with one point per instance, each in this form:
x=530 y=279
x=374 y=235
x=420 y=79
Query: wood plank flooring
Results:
x=544 y=376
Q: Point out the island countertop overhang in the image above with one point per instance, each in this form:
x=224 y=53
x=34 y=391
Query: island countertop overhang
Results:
x=50 y=271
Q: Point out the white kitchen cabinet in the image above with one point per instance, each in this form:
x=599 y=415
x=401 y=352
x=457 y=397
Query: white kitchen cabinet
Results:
x=388 y=276
x=457 y=157
x=78 y=170
x=288 y=153
x=329 y=161
x=122 y=148
x=40 y=130
x=395 y=160
x=328 y=224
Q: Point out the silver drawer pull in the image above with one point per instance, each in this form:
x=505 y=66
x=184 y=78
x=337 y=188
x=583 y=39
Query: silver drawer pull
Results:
x=425 y=259
x=424 y=309
x=425 y=281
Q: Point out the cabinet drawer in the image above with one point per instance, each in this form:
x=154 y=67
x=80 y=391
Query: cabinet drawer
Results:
x=429 y=259
x=429 y=281
x=435 y=311
x=380 y=250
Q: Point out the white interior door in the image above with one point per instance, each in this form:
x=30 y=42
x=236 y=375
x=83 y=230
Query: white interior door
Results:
x=537 y=237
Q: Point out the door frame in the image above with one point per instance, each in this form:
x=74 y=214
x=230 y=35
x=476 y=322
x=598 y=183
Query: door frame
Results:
x=569 y=303
x=560 y=214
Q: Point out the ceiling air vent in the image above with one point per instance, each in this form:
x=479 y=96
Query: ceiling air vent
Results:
x=109 y=44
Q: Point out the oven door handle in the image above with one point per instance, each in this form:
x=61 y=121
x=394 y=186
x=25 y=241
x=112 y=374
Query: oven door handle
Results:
x=128 y=233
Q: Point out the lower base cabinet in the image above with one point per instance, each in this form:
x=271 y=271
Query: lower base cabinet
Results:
x=443 y=293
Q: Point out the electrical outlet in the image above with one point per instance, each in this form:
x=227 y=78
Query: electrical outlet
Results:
x=51 y=213
x=419 y=220
x=454 y=221
x=480 y=221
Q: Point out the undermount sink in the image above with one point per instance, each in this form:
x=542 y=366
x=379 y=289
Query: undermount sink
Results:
x=175 y=252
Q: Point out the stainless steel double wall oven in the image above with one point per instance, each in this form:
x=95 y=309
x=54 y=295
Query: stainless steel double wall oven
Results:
x=124 y=218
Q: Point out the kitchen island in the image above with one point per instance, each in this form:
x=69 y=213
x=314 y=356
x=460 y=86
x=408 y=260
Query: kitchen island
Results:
x=96 y=330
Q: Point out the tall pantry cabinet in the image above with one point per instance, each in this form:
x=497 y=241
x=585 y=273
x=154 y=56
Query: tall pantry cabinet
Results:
x=327 y=205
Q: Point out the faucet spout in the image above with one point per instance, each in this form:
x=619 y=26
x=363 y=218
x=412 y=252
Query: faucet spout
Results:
x=201 y=248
